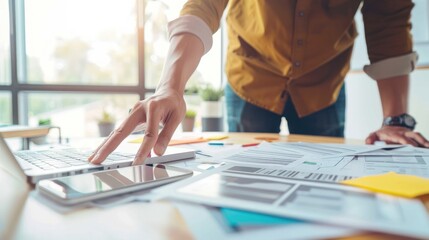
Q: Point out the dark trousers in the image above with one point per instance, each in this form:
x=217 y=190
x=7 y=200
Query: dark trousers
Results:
x=246 y=117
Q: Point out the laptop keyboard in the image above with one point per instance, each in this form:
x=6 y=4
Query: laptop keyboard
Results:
x=54 y=159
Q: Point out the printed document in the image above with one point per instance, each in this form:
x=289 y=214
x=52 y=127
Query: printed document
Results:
x=336 y=204
x=334 y=162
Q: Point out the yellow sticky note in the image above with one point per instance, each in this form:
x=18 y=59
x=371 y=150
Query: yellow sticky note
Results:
x=216 y=137
x=392 y=183
x=186 y=141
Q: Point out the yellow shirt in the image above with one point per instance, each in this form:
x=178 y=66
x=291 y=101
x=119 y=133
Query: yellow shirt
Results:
x=301 y=48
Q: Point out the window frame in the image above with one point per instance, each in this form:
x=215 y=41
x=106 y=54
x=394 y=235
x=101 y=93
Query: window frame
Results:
x=18 y=88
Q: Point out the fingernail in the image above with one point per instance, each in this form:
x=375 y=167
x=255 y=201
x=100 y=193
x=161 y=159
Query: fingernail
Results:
x=95 y=158
x=160 y=149
x=136 y=162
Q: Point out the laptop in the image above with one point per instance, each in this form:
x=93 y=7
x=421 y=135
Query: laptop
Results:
x=14 y=191
x=43 y=164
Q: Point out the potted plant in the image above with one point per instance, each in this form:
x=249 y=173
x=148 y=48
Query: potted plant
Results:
x=189 y=120
x=45 y=122
x=211 y=109
x=106 y=124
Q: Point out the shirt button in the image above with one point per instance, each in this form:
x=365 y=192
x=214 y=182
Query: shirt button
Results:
x=301 y=14
x=297 y=64
x=300 y=42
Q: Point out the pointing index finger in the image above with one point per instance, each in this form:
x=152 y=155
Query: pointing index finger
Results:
x=117 y=137
x=151 y=134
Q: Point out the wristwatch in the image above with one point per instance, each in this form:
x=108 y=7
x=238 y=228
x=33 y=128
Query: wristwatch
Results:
x=403 y=120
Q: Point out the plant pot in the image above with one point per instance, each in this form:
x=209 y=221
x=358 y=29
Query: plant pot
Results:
x=212 y=116
x=188 y=124
x=105 y=128
x=39 y=140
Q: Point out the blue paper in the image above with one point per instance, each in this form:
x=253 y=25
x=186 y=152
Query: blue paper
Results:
x=237 y=218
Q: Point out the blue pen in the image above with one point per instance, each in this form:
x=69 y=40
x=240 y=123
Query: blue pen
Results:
x=219 y=143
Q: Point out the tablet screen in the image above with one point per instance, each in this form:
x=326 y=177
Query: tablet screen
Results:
x=104 y=181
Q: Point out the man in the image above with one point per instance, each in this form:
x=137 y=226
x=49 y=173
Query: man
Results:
x=285 y=58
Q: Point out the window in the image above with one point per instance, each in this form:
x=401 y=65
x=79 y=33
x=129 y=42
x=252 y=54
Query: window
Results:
x=70 y=60
x=81 y=42
x=74 y=57
x=77 y=113
x=5 y=70
x=4 y=44
x=5 y=107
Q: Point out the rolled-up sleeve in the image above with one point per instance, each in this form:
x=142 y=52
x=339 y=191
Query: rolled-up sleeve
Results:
x=200 y=18
x=208 y=10
x=388 y=37
x=193 y=25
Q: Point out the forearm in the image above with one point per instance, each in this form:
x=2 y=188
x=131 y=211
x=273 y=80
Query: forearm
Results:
x=394 y=95
x=183 y=57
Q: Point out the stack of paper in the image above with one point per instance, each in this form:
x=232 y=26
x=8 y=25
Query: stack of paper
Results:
x=316 y=202
x=297 y=184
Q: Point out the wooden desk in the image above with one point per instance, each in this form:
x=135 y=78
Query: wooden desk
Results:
x=243 y=138
x=136 y=220
x=23 y=131
x=26 y=133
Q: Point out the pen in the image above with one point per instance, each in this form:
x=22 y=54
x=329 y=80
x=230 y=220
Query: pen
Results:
x=219 y=143
x=199 y=152
x=250 y=145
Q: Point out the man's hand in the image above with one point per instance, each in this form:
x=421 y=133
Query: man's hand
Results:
x=398 y=135
x=166 y=107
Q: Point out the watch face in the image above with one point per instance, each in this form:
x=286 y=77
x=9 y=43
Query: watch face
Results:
x=409 y=121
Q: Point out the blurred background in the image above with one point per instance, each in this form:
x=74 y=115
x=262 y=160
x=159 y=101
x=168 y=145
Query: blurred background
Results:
x=75 y=63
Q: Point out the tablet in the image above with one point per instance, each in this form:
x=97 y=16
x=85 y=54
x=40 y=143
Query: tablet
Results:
x=91 y=186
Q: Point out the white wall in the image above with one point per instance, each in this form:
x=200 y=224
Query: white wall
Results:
x=364 y=112
x=419 y=100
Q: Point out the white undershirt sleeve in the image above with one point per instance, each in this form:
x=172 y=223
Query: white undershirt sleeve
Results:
x=194 y=25
x=392 y=67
